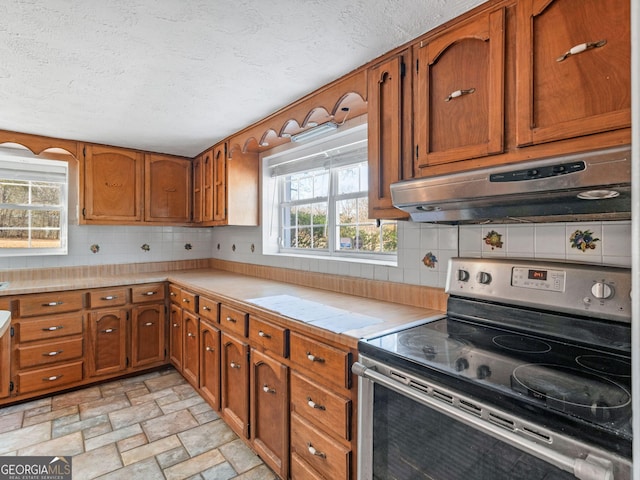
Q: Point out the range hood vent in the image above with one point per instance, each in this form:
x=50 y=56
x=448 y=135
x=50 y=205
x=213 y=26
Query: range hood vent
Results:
x=581 y=187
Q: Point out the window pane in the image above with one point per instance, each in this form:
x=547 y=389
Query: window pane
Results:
x=303 y=215
x=389 y=237
x=363 y=211
x=15 y=192
x=347 y=211
x=14 y=218
x=320 y=238
x=305 y=188
x=14 y=238
x=321 y=184
x=369 y=238
x=303 y=239
x=45 y=219
x=349 y=180
x=46 y=194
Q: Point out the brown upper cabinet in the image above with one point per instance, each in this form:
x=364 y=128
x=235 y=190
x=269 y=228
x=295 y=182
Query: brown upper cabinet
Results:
x=389 y=131
x=573 y=68
x=459 y=91
x=113 y=184
x=167 y=189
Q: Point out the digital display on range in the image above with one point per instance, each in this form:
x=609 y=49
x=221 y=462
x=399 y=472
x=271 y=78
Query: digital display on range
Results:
x=537 y=275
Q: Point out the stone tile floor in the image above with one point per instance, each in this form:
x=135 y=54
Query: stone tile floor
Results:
x=152 y=426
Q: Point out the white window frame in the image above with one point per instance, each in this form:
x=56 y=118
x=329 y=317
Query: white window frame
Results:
x=22 y=167
x=284 y=157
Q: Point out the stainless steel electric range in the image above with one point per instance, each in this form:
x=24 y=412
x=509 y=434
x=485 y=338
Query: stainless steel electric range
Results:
x=527 y=376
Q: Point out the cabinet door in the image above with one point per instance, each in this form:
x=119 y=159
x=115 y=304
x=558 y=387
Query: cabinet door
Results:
x=190 y=348
x=210 y=363
x=459 y=96
x=112 y=184
x=235 y=383
x=197 y=189
x=147 y=334
x=207 y=187
x=389 y=132
x=108 y=341
x=5 y=365
x=270 y=411
x=561 y=94
x=175 y=336
x=167 y=189
x=220 y=183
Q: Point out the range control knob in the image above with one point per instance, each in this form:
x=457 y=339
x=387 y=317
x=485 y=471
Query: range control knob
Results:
x=461 y=364
x=483 y=372
x=463 y=275
x=484 y=278
x=602 y=290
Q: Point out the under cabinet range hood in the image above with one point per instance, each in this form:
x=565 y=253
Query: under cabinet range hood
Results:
x=588 y=186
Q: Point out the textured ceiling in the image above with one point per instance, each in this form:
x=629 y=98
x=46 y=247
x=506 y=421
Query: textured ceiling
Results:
x=176 y=76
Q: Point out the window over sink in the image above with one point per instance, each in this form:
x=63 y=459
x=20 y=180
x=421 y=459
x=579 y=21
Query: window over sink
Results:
x=316 y=201
x=33 y=205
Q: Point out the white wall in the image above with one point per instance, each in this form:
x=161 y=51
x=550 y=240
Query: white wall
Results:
x=415 y=241
x=122 y=245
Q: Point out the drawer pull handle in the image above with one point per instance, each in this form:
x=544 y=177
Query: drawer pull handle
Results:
x=583 y=47
x=315 y=452
x=172 y=294
x=52 y=329
x=176 y=325
x=52 y=354
x=459 y=93
x=234 y=365
x=315 y=405
x=52 y=378
x=263 y=335
x=109 y=297
x=186 y=300
x=148 y=294
x=190 y=334
x=209 y=349
x=148 y=324
x=313 y=358
x=266 y=389
x=108 y=330
x=206 y=309
x=52 y=304
x=231 y=319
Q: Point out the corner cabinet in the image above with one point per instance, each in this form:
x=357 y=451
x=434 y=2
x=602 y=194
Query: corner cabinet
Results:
x=459 y=112
x=112 y=184
x=389 y=132
x=573 y=68
x=167 y=189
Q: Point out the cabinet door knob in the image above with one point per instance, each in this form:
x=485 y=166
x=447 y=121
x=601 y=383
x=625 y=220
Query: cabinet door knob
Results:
x=263 y=335
x=52 y=329
x=176 y=325
x=313 y=358
x=315 y=405
x=190 y=334
x=459 y=93
x=315 y=452
x=583 y=47
x=148 y=324
x=231 y=319
x=186 y=300
x=209 y=349
x=234 y=365
x=108 y=330
x=267 y=389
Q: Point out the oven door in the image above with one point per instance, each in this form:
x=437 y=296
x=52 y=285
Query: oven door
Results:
x=409 y=428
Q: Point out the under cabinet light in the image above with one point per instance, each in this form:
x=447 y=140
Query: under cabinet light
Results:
x=314 y=132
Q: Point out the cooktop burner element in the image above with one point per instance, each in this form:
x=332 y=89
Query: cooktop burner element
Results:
x=518 y=343
x=607 y=366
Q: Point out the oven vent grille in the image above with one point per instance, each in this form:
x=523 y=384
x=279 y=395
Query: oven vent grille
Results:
x=538 y=435
x=502 y=422
x=471 y=408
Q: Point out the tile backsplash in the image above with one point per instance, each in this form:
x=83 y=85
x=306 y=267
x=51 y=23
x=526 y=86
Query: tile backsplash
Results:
x=424 y=249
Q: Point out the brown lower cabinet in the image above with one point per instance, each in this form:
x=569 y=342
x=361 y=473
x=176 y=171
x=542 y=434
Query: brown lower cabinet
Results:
x=270 y=411
x=210 y=363
x=176 y=330
x=147 y=334
x=107 y=342
x=190 y=350
x=234 y=366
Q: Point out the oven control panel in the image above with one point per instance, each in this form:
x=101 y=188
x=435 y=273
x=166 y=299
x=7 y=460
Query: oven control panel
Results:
x=590 y=290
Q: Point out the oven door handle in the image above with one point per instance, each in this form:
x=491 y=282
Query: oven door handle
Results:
x=590 y=468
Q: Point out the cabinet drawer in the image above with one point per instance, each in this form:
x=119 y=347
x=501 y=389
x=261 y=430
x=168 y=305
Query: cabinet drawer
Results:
x=51 y=377
x=208 y=308
x=272 y=337
x=50 y=352
x=188 y=301
x=329 y=457
x=174 y=294
x=321 y=359
x=48 y=303
x=49 y=327
x=300 y=469
x=147 y=293
x=321 y=406
x=234 y=321
x=107 y=297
